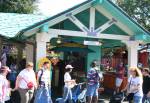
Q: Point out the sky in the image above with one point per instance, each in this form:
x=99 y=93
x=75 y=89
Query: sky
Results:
x=53 y=7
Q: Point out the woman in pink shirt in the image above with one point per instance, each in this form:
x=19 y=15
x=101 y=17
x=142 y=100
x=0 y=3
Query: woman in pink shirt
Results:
x=4 y=85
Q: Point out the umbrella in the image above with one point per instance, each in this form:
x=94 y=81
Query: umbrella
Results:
x=72 y=47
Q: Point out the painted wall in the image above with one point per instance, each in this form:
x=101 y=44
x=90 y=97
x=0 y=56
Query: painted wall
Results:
x=94 y=55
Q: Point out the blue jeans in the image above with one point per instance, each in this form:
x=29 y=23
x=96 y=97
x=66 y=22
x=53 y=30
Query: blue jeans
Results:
x=67 y=95
x=43 y=95
x=92 y=90
x=137 y=99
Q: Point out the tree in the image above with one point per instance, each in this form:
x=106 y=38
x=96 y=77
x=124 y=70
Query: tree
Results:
x=17 y=6
x=139 y=10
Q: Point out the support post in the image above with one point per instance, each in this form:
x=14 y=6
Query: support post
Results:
x=96 y=55
x=20 y=54
x=41 y=40
x=29 y=52
x=1 y=45
x=132 y=53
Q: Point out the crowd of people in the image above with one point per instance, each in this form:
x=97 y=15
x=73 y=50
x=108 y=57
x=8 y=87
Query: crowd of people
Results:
x=137 y=88
x=27 y=82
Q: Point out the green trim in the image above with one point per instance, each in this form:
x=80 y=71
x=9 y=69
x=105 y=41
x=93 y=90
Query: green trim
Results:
x=45 y=28
x=106 y=4
x=117 y=12
x=143 y=37
x=39 y=24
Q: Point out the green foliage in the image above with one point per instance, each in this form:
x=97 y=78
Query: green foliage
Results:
x=138 y=10
x=17 y=6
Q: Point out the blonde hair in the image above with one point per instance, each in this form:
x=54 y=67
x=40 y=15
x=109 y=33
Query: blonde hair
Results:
x=29 y=64
x=137 y=70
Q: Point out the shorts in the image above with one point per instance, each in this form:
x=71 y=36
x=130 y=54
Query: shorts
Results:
x=92 y=90
x=118 y=82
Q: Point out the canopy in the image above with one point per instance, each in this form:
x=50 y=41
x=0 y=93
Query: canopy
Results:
x=72 y=47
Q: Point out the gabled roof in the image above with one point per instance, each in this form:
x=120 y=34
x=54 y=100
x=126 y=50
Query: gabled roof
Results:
x=11 y=23
x=32 y=22
x=115 y=10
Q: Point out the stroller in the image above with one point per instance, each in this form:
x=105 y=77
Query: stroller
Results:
x=117 y=98
x=77 y=94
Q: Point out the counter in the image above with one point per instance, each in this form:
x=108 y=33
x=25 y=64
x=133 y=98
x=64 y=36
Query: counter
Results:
x=110 y=79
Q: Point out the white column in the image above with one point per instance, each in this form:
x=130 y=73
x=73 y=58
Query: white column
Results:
x=132 y=53
x=41 y=40
x=29 y=52
x=40 y=46
x=92 y=19
x=1 y=43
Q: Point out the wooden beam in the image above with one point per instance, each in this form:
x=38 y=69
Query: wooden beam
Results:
x=58 y=19
x=105 y=26
x=83 y=34
x=77 y=22
x=119 y=24
x=92 y=19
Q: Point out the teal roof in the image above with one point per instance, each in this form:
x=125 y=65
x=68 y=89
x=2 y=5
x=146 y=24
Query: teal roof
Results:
x=115 y=10
x=11 y=23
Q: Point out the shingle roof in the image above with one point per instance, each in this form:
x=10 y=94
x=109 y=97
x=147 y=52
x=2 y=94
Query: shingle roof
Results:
x=12 y=23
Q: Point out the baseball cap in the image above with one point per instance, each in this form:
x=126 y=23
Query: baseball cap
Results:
x=69 y=66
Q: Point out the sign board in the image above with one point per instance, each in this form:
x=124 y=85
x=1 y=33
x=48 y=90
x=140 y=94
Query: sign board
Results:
x=94 y=43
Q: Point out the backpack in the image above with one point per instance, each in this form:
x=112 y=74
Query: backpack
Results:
x=40 y=76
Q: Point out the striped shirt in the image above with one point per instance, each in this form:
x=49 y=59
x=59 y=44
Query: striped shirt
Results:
x=92 y=77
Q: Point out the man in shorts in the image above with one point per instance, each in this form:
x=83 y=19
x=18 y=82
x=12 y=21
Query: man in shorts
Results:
x=93 y=79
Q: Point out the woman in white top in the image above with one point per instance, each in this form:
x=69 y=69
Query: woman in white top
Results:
x=134 y=85
x=26 y=83
x=67 y=94
x=4 y=85
x=43 y=94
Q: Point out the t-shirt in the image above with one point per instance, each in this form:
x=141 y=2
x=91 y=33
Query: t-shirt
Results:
x=67 y=77
x=45 y=78
x=135 y=81
x=4 y=88
x=26 y=76
x=0 y=64
x=146 y=84
x=93 y=77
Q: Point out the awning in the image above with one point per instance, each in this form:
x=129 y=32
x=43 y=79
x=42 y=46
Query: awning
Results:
x=71 y=47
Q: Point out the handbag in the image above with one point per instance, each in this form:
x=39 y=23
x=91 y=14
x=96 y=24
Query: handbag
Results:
x=130 y=95
x=30 y=85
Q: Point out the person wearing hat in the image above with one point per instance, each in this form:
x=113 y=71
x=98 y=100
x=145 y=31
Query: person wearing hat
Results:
x=67 y=94
x=146 y=83
x=4 y=85
x=43 y=94
x=93 y=79
x=26 y=83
